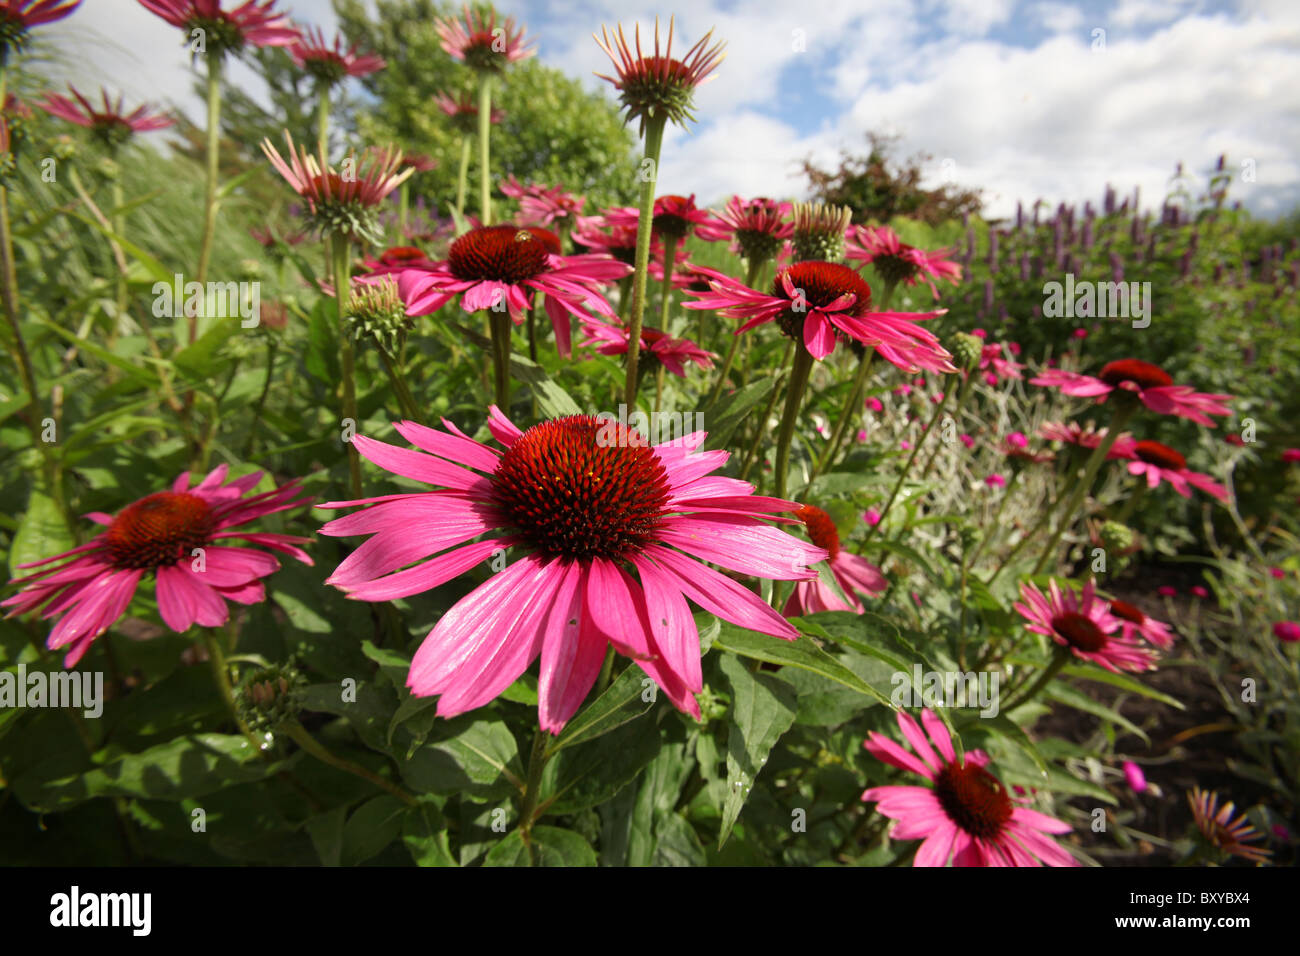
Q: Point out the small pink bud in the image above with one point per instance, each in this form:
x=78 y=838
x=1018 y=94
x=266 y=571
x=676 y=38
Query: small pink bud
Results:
x=1017 y=440
x=995 y=481
x=905 y=445
x=871 y=516
x=875 y=404
x=1080 y=333
x=862 y=434
x=1288 y=631
x=1199 y=591
x=1291 y=455
x=1166 y=591
x=1277 y=573
x=1137 y=780
x=979 y=333
x=990 y=378
x=967 y=440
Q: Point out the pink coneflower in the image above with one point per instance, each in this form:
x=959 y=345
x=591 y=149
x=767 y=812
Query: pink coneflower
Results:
x=480 y=43
x=420 y=162
x=19 y=16
x=1221 y=831
x=965 y=815
x=998 y=367
x=395 y=259
x=1135 y=624
x=330 y=64
x=674 y=218
x=598 y=235
x=463 y=110
x=341 y=204
x=896 y=261
x=1137 y=780
x=966 y=440
x=111 y=122
x=179 y=536
x=855 y=575
x=820 y=302
x=1287 y=631
x=658 y=85
x=1076 y=434
x=1161 y=463
x=1149 y=383
x=580 y=502
x=1291 y=455
x=1084 y=625
x=1016 y=447
x=756 y=227
x=671 y=353
x=492 y=265
x=255 y=21
x=543 y=205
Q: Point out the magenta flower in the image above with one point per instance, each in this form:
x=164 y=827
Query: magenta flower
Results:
x=855 y=575
x=492 y=265
x=1137 y=780
x=999 y=367
x=19 y=16
x=463 y=110
x=659 y=84
x=1166 y=591
x=1287 y=631
x=327 y=192
x=995 y=481
x=1161 y=463
x=179 y=536
x=480 y=43
x=896 y=261
x=875 y=404
x=675 y=217
x=254 y=21
x=581 y=502
x=1277 y=573
x=757 y=228
x=543 y=205
x=1233 y=837
x=1084 y=624
x=965 y=815
x=1198 y=591
x=1149 y=383
x=329 y=63
x=871 y=516
x=820 y=302
x=671 y=353
x=110 y=122
x=1291 y=455
x=1075 y=434
x=1135 y=624
x=966 y=440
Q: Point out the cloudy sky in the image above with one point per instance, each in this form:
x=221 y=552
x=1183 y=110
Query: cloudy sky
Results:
x=1022 y=98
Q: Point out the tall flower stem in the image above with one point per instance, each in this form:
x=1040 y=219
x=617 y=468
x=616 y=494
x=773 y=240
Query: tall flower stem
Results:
x=760 y=424
x=403 y=208
x=907 y=468
x=755 y=267
x=221 y=675
x=996 y=523
x=347 y=356
x=1059 y=660
x=532 y=788
x=323 y=123
x=119 y=287
x=500 y=324
x=210 y=196
x=395 y=377
x=271 y=346
x=484 y=138
x=654 y=138
x=462 y=178
x=794 y=389
x=1066 y=515
x=299 y=735
x=670 y=260
x=956 y=414
x=853 y=407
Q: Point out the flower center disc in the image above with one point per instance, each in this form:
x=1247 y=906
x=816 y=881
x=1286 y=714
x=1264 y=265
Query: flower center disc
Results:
x=1142 y=374
x=497 y=253
x=973 y=799
x=670 y=218
x=817 y=285
x=400 y=255
x=582 y=487
x=1127 y=611
x=1079 y=632
x=821 y=529
x=1162 y=456
x=159 y=530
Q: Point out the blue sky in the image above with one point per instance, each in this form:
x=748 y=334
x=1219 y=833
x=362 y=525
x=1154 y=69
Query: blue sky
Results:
x=1023 y=98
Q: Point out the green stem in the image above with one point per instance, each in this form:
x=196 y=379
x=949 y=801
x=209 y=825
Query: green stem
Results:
x=956 y=415
x=347 y=357
x=799 y=372
x=654 y=138
x=120 y=288
x=996 y=523
x=1067 y=513
x=271 y=346
x=404 y=397
x=755 y=267
x=761 y=423
x=500 y=323
x=403 y=209
x=298 y=734
x=221 y=673
x=670 y=260
x=210 y=197
x=851 y=409
x=484 y=137
x=532 y=788
x=920 y=441
x=1059 y=660
x=323 y=123
x=462 y=179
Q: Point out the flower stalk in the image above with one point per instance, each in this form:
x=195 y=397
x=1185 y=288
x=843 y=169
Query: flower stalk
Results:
x=654 y=137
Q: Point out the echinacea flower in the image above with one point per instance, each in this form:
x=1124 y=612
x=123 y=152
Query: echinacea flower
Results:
x=255 y=22
x=331 y=63
x=1083 y=623
x=1221 y=831
x=1161 y=463
x=111 y=123
x=818 y=231
x=599 y=236
x=543 y=205
x=1075 y=434
x=896 y=261
x=671 y=353
x=855 y=575
x=1149 y=383
x=178 y=536
x=675 y=217
x=341 y=204
x=19 y=16
x=1134 y=624
x=659 y=85
x=480 y=43
x=965 y=815
x=501 y=267
x=463 y=111
x=820 y=302
x=580 y=502
x=756 y=227
x=999 y=367
x=1288 y=632
x=1137 y=780
x=397 y=258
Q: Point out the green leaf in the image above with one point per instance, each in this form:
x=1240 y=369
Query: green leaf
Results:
x=374 y=825
x=801 y=653
x=762 y=709
x=549 y=846
x=201 y=360
x=589 y=774
x=139 y=374
x=1080 y=701
x=424 y=831
x=522 y=691
x=479 y=757
x=1122 y=681
x=621 y=702
x=41 y=533
x=552 y=400
x=155 y=268
x=730 y=410
x=968 y=721
x=326 y=832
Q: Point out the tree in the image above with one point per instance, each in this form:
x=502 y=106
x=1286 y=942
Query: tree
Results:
x=873 y=189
